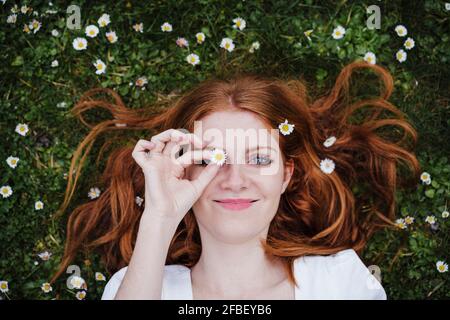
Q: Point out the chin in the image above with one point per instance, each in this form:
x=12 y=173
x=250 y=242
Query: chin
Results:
x=234 y=231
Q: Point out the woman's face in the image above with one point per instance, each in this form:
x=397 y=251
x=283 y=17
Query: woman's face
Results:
x=248 y=174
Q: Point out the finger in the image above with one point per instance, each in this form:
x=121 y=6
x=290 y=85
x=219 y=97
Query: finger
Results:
x=142 y=146
x=205 y=177
x=173 y=146
x=192 y=157
x=159 y=146
x=187 y=138
x=160 y=139
x=166 y=136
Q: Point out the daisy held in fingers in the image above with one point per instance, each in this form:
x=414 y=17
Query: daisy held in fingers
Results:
x=243 y=189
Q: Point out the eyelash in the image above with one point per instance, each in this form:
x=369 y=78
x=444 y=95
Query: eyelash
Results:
x=268 y=160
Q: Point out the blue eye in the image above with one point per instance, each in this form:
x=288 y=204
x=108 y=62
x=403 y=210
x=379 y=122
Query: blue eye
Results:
x=260 y=160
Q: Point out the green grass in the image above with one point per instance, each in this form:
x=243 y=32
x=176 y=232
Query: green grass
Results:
x=30 y=90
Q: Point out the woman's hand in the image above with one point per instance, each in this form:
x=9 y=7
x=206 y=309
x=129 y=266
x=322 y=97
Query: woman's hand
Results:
x=168 y=194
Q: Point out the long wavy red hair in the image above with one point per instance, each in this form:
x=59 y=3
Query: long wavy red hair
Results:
x=318 y=214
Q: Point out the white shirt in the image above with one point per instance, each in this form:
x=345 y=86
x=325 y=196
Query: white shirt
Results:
x=336 y=277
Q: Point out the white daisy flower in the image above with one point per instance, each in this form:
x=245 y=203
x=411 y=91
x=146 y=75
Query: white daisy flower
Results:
x=55 y=63
x=327 y=165
x=193 y=59
x=409 y=220
x=35 y=263
x=200 y=37
x=139 y=201
x=409 y=43
x=4 y=286
x=24 y=9
x=22 y=129
x=39 y=205
x=329 y=142
x=447 y=6
x=401 y=30
x=182 y=42
x=94 y=193
x=80 y=295
x=338 y=32
x=218 y=156
x=100 y=66
x=35 y=25
x=370 y=58
x=430 y=219
x=77 y=282
x=61 y=104
x=99 y=276
x=254 y=46
x=104 y=20
x=400 y=223
x=45 y=256
x=308 y=33
x=425 y=178
x=79 y=44
x=239 y=23
x=401 y=55
x=286 y=128
x=441 y=266
x=12 y=161
x=445 y=214
x=111 y=36
x=227 y=44
x=46 y=287
x=138 y=27
x=55 y=33
x=6 y=191
x=11 y=18
x=166 y=27
x=141 y=81
x=91 y=31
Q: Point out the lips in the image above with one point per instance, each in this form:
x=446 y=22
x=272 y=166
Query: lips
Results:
x=236 y=204
x=236 y=200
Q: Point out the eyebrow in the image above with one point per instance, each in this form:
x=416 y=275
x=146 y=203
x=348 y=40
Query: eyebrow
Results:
x=248 y=149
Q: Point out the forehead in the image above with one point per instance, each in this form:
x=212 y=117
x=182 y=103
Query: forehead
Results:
x=225 y=126
x=223 y=120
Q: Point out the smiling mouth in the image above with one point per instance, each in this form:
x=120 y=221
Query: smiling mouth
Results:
x=235 y=204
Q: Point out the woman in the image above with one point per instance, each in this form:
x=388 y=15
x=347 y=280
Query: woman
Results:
x=277 y=217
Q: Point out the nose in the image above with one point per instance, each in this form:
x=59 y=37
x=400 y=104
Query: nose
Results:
x=234 y=178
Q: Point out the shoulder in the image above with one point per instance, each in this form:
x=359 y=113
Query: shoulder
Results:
x=342 y=275
x=171 y=273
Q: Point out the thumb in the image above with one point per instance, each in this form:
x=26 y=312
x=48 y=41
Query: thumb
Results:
x=205 y=177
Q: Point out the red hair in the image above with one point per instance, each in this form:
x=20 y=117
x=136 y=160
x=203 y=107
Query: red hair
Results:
x=318 y=213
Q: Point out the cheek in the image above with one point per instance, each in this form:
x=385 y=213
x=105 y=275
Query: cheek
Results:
x=269 y=185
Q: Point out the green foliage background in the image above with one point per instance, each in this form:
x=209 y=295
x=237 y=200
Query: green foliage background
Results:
x=30 y=90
